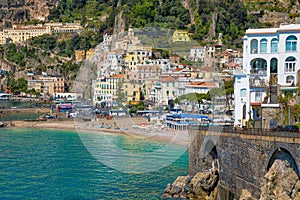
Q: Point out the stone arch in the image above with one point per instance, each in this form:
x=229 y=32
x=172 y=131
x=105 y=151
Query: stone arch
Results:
x=282 y=153
x=210 y=157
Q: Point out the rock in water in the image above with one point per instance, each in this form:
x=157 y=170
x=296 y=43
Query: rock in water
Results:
x=281 y=182
x=201 y=186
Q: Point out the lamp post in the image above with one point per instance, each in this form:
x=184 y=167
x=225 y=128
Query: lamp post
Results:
x=281 y=117
x=264 y=122
x=289 y=115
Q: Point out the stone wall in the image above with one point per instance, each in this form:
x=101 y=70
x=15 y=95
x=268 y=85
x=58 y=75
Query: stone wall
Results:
x=243 y=156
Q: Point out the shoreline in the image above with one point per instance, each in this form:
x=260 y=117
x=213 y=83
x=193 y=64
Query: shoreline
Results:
x=139 y=129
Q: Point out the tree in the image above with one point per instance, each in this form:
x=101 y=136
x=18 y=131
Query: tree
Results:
x=286 y=102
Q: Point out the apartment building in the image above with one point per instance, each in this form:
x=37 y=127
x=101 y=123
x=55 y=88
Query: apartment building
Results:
x=197 y=54
x=141 y=73
x=47 y=85
x=107 y=89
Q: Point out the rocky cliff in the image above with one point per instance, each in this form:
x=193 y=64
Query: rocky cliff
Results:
x=280 y=182
x=202 y=186
x=15 y=11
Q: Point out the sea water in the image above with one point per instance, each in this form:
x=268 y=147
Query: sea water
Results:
x=54 y=164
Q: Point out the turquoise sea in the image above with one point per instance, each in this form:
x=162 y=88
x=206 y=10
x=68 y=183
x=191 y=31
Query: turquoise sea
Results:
x=51 y=164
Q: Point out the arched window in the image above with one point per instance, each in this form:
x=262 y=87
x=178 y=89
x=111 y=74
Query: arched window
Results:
x=273 y=66
x=290 y=79
x=243 y=92
x=291 y=43
x=254 y=46
x=263 y=46
x=290 y=64
x=274 y=45
x=258 y=66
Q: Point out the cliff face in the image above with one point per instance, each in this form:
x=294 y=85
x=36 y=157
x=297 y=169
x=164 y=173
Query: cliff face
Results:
x=14 y=11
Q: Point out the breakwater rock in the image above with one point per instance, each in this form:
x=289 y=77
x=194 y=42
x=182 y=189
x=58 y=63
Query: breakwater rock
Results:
x=203 y=185
x=281 y=182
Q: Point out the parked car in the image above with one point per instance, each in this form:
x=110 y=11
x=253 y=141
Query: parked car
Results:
x=205 y=112
x=291 y=128
x=48 y=116
x=278 y=128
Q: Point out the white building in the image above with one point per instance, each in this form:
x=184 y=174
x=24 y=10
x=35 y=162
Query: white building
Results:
x=197 y=54
x=200 y=87
x=271 y=58
x=115 y=60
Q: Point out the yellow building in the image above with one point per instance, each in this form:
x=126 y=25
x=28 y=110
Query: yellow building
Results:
x=139 y=55
x=206 y=73
x=79 y=55
x=107 y=89
x=90 y=54
x=181 y=36
x=132 y=91
x=23 y=33
x=47 y=85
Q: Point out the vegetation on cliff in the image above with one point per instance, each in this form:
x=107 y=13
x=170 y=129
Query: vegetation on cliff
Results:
x=205 y=21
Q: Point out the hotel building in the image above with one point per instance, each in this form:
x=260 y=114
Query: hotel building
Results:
x=271 y=63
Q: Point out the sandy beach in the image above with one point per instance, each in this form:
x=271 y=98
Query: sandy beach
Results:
x=131 y=127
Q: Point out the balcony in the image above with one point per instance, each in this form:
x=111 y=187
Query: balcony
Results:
x=258 y=82
x=258 y=71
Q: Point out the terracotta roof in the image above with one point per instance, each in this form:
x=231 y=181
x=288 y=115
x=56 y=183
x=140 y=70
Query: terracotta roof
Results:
x=117 y=51
x=168 y=79
x=207 y=69
x=224 y=53
x=204 y=84
x=117 y=76
x=177 y=69
x=255 y=103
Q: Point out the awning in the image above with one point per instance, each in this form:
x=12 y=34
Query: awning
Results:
x=189 y=116
x=288 y=88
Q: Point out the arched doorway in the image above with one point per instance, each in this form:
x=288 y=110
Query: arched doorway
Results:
x=273 y=123
x=171 y=103
x=283 y=154
x=244 y=111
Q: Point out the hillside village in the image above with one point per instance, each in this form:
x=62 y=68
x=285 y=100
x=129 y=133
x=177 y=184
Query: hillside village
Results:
x=177 y=73
x=140 y=72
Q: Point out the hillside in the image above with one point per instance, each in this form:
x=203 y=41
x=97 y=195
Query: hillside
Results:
x=204 y=18
x=16 y=11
